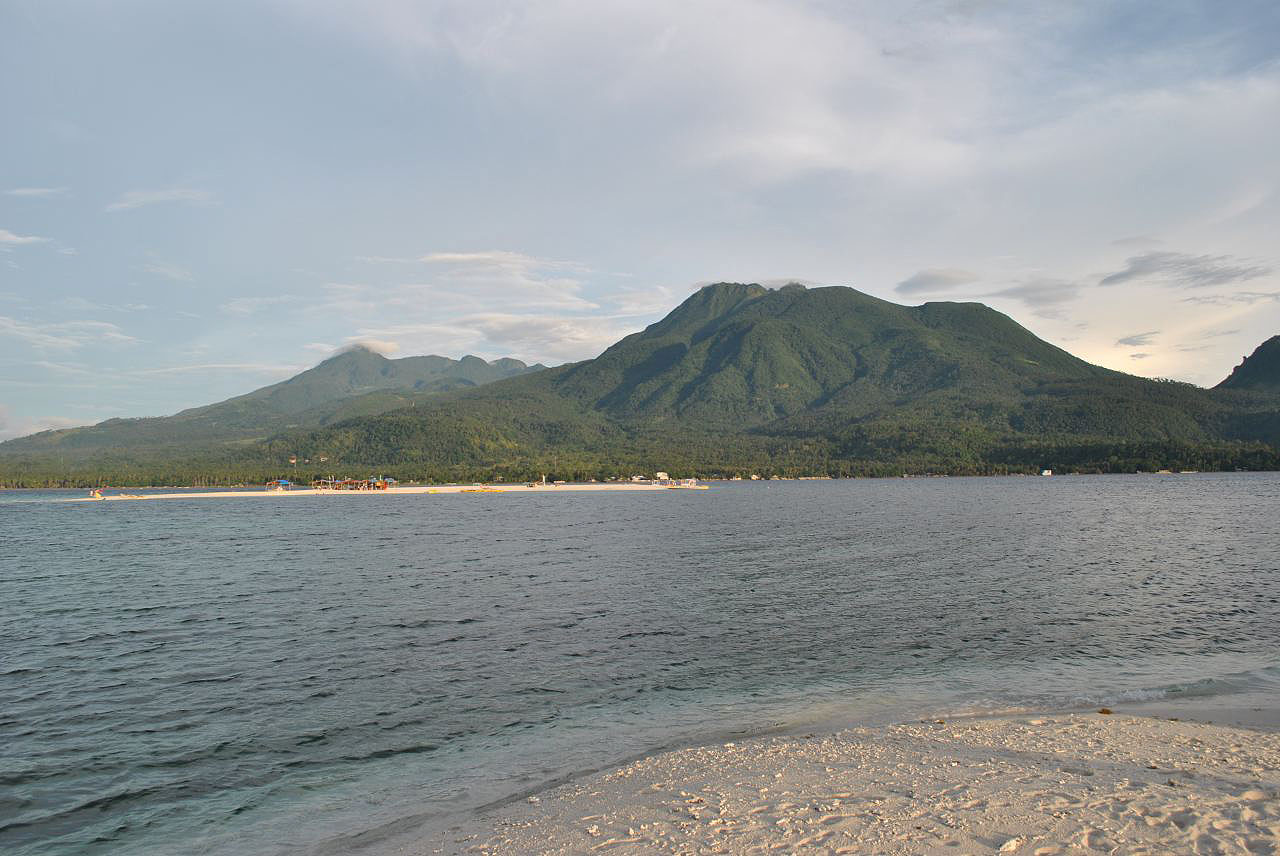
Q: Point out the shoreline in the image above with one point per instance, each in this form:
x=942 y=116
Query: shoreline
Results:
x=703 y=483
x=395 y=491
x=1136 y=780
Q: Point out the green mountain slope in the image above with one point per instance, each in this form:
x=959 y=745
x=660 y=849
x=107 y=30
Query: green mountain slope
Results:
x=827 y=379
x=1259 y=371
x=740 y=379
x=356 y=382
x=768 y=355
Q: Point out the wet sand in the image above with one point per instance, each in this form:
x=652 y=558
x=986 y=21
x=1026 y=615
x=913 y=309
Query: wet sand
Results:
x=1063 y=783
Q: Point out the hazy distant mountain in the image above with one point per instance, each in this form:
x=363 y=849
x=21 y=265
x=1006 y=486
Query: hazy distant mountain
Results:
x=356 y=382
x=1260 y=370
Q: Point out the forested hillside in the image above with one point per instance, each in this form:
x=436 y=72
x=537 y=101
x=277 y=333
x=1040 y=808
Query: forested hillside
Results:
x=741 y=380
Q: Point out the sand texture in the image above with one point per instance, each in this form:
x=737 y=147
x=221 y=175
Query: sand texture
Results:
x=1068 y=783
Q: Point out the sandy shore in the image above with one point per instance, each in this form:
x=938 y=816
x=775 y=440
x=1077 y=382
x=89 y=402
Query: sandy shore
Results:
x=1054 y=784
x=394 y=491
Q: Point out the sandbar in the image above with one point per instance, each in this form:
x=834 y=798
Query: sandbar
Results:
x=1061 y=783
x=395 y=491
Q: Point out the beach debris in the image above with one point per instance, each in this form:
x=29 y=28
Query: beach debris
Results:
x=1105 y=710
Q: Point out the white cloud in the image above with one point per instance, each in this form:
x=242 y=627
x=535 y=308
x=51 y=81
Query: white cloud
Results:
x=140 y=198
x=379 y=346
x=177 y=273
x=547 y=338
x=530 y=337
x=64 y=334
x=320 y=347
x=513 y=279
x=269 y=369
x=81 y=304
x=36 y=192
x=10 y=239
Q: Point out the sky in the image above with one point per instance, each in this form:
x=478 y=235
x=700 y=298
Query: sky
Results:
x=198 y=199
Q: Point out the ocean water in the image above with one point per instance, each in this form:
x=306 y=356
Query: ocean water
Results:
x=346 y=674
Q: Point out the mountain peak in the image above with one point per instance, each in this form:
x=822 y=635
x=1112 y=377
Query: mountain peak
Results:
x=1259 y=370
x=353 y=353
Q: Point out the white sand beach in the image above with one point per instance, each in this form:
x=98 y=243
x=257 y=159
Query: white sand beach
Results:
x=1024 y=784
x=127 y=494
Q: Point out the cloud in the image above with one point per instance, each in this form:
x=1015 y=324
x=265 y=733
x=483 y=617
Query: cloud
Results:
x=547 y=337
x=510 y=277
x=498 y=258
x=8 y=238
x=174 y=272
x=933 y=280
x=635 y=302
x=385 y=347
x=460 y=283
x=1041 y=293
x=1187 y=271
x=65 y=334
x=36 y=192
x=81 y=304
x=1245 y=297
x=1139 y=356
x=1138 y=340
x=271 y=369
x=140 y=198
x=252 y=305
x=882 y=91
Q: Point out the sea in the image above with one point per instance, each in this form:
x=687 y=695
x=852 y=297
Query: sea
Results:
x=362 y=674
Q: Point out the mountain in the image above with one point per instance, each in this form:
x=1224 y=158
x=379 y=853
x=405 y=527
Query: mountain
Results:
x=1259 y=371
x=741 y=355
x=815 y=380
x=737 y=379
x=356 y=382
